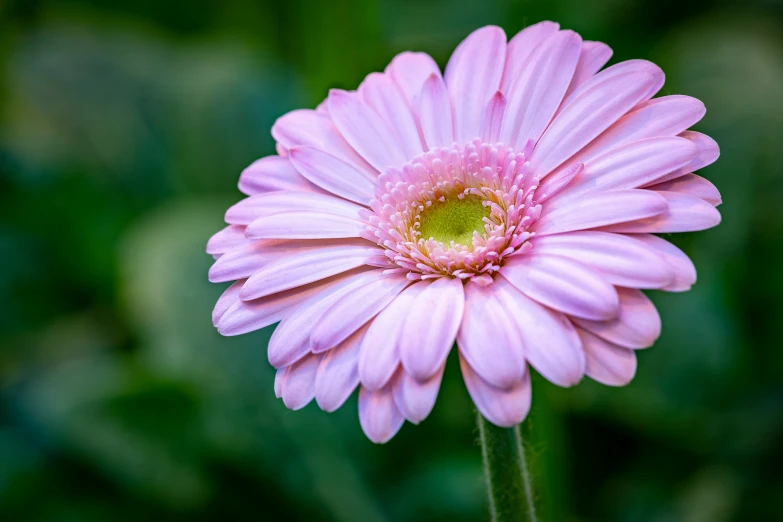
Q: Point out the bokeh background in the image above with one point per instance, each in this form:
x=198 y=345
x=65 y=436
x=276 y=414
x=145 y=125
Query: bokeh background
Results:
x=124 y=125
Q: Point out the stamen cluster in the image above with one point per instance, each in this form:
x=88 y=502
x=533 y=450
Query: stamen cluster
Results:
x=493 y=173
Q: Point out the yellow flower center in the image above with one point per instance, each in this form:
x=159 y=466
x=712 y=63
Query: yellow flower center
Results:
x=454 y=220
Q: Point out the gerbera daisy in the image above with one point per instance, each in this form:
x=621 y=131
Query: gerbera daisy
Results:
x=508 y=204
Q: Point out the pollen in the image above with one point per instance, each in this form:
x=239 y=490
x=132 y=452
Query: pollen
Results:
x=454 y=220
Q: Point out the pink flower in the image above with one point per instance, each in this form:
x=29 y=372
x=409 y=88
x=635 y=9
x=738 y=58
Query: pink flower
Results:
x=509 y=204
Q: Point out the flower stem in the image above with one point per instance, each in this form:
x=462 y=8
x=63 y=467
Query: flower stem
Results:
x=505 y=469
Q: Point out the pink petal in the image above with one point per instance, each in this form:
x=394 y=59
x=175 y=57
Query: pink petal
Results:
x=605 y=208
x=415 y=399
x=270 y=174
x=637 y=325
x=230 y=237
x=555 y=183
x=365 y=131
x=334 y=175
x=607 y=363
x=380 y=92
x=306 y=267
x=708 y=153
x=536 y=94
x=550 y=341
x=410 y=71
x=502 y=407
x=229 y=296
x=291 y=339
x=563 y=284
x=621 y=69
x=350 y=313
x=435 y=113
x=378 y=415
x=473 y=76
x=592 y=57
x=306 y=128
x=692 y=185
x=622 y=260
x=338 y=375
x=521 y=47
x=262 y=205
x=595 y=106
x=684 y=271
x=244 y=261
x=685 y=213
x=492 y=120
x=489 y=338
x=630 y=166
x=380 y=355
x=305 y=225
x=431 y=326
x=659 y=117
x=297 y=382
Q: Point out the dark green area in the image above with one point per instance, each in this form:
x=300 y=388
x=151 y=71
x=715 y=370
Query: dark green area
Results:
x=124 y=125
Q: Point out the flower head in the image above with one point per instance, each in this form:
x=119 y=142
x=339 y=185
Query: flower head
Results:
x=509 y=204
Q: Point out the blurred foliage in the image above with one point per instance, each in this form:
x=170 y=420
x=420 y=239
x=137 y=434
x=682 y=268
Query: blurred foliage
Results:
x=123 y=127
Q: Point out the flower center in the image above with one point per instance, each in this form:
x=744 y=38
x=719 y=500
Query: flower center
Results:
x=454 y=211
x=454 y=220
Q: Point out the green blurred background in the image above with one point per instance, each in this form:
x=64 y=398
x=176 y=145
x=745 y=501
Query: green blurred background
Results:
x=124 y=125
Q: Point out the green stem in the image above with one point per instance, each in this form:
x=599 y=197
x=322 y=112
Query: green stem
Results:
x=505 y=469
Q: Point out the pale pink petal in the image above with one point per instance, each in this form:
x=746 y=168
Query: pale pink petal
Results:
x=291 y=339
x=604 y=208
x=621 y=69
x=334 y=175
x=473 y=75
x=563 y=284
x=692 y=185
x=410 y=71
x=273 y=173
x=607 y=363
x=380 y=92
x=555 y=183
x=431 y=325
x=492 y=120
x=415 y=399
x=489 y=337
x=279 y=382
x=380 y=355
x=505 y=407
x=622 y=260
x=592 y=57
x=596 y=106
x=245 y=260
x=637 y=325
x=306 y=267
x=659 y=117
x=684 y=213
x=246 y=316
x=230 y=237
x=684 y=271
x=261 y=205
x=338 y=374
x=229 y=296
x=298 y=382
x=378 y=415
x=550 y=341
x=305 y=225
x=365 y=131
x=434 y=112
x=536 y=94
x=521 y=47
x=346 y=316
x=708 y=153
x=307 y=128
x=630 y=166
